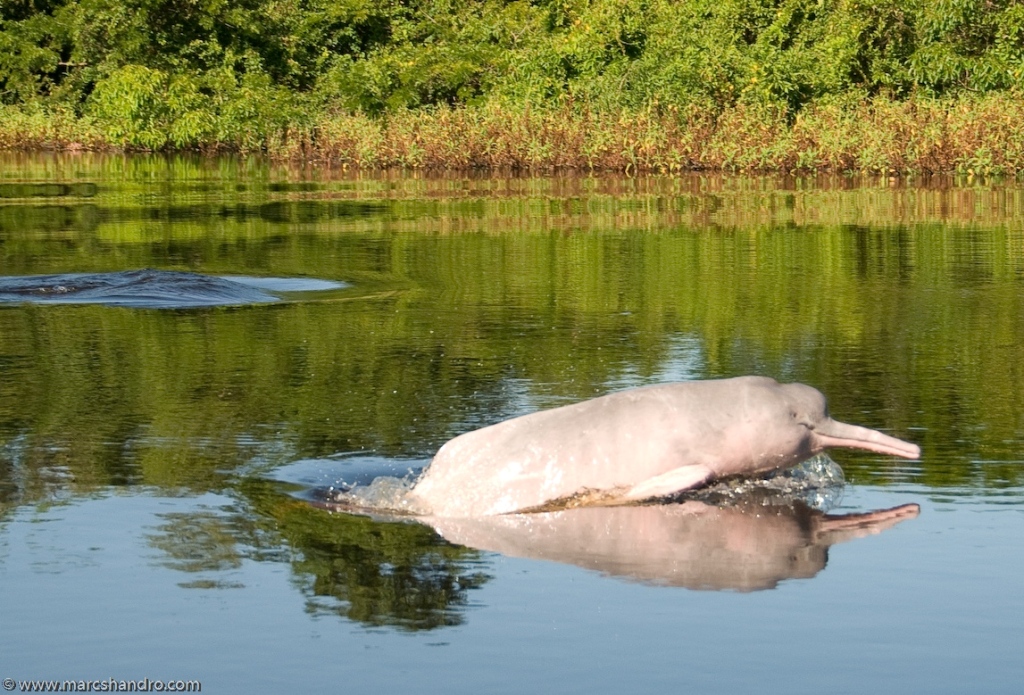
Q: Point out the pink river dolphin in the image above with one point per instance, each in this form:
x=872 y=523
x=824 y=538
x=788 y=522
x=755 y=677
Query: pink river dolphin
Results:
x=636 y=445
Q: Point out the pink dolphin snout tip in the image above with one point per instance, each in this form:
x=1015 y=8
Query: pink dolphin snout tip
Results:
x=913 y=452
x=834 y=434
x=907 y=450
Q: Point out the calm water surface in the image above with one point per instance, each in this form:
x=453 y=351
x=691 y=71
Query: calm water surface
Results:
x=156 y=463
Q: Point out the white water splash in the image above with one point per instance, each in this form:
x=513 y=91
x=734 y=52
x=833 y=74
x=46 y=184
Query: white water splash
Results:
x=817 y=482
x=384 y=494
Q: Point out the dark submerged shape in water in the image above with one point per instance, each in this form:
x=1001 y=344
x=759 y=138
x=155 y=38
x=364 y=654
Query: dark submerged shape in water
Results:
x=148 y=288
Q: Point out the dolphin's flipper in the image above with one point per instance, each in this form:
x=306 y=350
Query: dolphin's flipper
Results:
x=676 y=480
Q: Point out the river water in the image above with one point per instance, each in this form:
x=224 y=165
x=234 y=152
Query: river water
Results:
x=163 y=461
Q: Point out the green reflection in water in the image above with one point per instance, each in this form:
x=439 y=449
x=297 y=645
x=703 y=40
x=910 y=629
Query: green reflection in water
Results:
x=476 y=299
x=375 y=572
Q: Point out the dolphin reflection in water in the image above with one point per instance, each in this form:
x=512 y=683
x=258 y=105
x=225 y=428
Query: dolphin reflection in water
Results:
x=691 y=544
x=751 y=543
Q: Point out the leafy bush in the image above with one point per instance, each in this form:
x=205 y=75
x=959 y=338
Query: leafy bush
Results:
x=208 y=73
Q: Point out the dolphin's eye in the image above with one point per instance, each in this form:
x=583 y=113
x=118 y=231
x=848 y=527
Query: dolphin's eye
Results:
x=800 y=420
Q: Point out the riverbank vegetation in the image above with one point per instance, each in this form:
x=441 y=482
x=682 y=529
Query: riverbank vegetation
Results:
x=645 y=85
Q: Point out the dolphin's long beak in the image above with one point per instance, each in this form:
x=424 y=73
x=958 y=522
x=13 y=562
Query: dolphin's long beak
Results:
x=831 y=433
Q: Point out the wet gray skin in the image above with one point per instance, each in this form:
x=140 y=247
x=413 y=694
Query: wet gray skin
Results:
x=149 y=288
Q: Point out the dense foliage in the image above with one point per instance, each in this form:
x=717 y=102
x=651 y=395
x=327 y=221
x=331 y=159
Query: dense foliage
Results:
x=151 y=73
